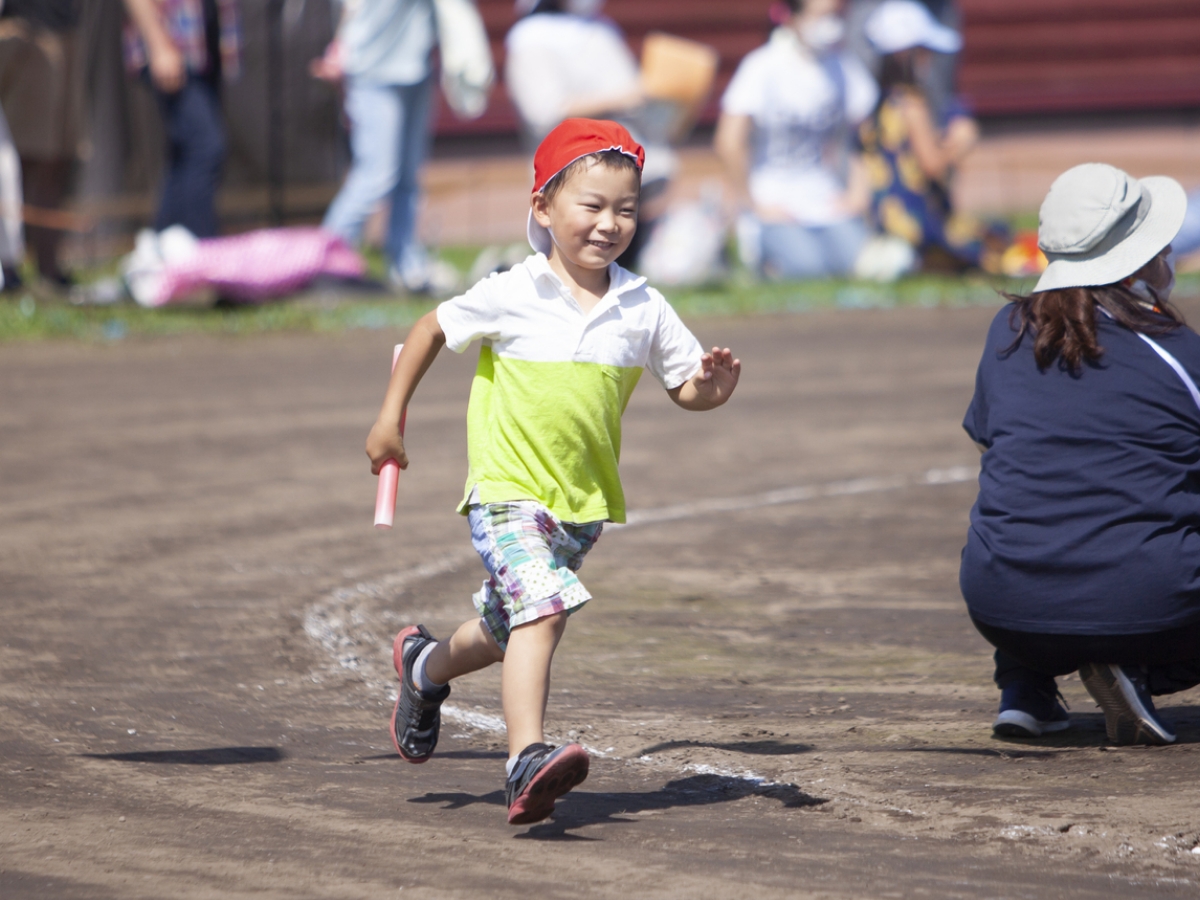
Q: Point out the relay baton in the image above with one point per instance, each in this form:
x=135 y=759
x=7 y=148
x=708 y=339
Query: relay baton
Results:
x=389 y=474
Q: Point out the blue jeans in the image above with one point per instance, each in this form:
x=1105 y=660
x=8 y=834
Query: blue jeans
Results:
x=811 y=251
x=389 y=137
x=195 y=154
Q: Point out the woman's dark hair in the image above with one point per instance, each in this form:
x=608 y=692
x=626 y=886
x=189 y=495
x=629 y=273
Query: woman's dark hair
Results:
x=1063 y=322
x=547 y=6
x=794 y=5
x=612 y=159
x=897 y=70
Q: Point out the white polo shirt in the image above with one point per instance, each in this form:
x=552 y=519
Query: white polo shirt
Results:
x=544 y=419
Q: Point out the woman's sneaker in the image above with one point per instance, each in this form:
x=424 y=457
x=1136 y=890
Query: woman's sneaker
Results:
x=418 y=716
x=1027 y=711
x=1124 y=694
x=542 y=775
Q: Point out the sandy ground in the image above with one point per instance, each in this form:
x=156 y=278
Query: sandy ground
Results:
x=778 y=680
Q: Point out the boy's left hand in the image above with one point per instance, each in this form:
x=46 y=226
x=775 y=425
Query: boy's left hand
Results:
x=713 y=384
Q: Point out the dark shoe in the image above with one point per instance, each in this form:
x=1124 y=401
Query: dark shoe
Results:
x=1124 y=695
x=542 y=775
x=418 y=716
x=12 y=279
x=1027 y=711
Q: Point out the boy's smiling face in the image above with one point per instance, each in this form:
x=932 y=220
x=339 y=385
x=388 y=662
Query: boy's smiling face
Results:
x=593 y=216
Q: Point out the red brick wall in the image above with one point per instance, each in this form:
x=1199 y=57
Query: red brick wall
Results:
x=1023 y=56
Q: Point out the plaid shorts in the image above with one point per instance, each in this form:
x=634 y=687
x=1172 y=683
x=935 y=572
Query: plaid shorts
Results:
x=532 y=559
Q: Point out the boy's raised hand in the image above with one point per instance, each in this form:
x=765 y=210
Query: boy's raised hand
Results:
x=719 y=373
x=713 y=384
x=383 y=443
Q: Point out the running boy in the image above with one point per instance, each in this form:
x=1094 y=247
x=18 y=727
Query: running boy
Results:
x=565 y=337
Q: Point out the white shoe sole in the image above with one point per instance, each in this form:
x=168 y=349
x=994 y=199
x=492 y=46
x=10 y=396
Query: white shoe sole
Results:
x=1015 y=723
x=1126 y=720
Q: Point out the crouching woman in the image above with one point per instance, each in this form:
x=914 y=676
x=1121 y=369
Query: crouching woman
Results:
x=1083 y=552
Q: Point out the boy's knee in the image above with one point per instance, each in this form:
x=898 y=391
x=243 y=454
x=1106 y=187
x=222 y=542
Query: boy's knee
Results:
x=554 y=624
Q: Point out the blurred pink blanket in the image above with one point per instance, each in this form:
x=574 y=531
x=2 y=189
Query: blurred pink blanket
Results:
x=258 y=265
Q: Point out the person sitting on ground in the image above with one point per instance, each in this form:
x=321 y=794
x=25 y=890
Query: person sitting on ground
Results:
x=783 y=137
x=565 y=336
x=908 y=156
x=1083 y=544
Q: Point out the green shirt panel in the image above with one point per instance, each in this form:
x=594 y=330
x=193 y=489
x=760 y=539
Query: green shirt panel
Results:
x=550 y=432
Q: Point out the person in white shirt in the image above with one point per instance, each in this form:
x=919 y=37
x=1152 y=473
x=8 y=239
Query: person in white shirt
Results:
x=784 y=139
x=564 y=59
x=565 y=337
x=552 y=58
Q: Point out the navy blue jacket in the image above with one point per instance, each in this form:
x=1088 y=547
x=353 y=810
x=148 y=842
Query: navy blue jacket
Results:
x=1088 y=516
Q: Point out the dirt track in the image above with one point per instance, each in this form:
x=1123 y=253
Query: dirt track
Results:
x=786 y=699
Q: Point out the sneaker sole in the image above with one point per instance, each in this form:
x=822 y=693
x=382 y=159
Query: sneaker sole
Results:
x=398 y=662
x=1014 y=723
x=568 y=770
x=1126 y=721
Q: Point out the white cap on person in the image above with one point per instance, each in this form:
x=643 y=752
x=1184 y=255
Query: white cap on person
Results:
x=897 y=25
x=1098 y=224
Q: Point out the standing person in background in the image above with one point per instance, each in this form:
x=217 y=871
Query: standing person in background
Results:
x=784 y=139
x=186 y=48
x=41 y=94
x=553 y=56
x=382 y=50
x=12 y=235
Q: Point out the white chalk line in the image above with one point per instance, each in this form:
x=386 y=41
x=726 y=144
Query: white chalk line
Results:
x=799 y=494
x=341 y=627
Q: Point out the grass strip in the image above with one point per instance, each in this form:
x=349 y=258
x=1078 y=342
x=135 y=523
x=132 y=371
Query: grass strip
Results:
x=24 y=318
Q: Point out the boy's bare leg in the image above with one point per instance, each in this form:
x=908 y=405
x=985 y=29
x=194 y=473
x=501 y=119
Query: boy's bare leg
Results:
x=525 y=684
x=469 y=649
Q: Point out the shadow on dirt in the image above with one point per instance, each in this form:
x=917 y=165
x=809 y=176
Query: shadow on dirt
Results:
x=754 y=748
x=581 y=808
x=209 y=756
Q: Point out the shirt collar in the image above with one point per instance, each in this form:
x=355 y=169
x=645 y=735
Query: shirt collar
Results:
x=620 y=281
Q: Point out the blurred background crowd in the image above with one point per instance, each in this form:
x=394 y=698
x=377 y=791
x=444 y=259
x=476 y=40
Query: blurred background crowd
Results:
x=786 y=138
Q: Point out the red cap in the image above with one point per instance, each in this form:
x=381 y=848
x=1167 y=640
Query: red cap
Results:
x=573 y=139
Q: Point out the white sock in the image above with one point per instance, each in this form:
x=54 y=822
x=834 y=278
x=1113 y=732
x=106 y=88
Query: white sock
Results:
x=511 y=764
x=424 y=684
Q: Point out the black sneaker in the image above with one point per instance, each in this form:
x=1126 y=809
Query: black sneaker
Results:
x=1124 y=695
x=1029 y=711
x=418 y=716
x=542 y=775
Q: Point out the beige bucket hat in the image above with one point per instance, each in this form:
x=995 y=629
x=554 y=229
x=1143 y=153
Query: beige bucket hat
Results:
x=1099 y=225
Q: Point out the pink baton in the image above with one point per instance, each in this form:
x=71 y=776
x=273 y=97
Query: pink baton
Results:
x=389 y=474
